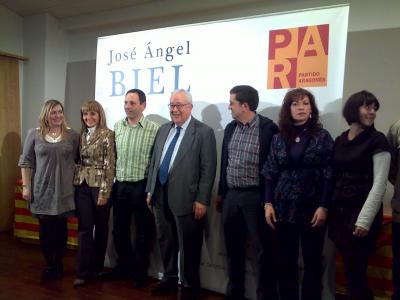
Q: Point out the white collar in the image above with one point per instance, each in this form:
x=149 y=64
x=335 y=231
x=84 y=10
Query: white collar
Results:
x=184 y=125
x=91 y=130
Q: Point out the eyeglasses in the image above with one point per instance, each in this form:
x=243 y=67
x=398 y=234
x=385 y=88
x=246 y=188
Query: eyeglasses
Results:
x=177 y=106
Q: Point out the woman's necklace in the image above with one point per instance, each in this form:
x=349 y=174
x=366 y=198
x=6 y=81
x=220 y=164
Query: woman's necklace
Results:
x=53 y=136
x=55 y=133
x=297 y=138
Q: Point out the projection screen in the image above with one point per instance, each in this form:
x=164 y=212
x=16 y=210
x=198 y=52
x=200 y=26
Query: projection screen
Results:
x=272 y=53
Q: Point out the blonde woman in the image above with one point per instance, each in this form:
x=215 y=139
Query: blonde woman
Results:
x=94 y=177
x=47 y=166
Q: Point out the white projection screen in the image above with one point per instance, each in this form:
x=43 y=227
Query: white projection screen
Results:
x=272 y=53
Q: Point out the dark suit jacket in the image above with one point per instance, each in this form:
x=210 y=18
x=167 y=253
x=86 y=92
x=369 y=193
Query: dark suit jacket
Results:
x=267 y=130
x=192 y=174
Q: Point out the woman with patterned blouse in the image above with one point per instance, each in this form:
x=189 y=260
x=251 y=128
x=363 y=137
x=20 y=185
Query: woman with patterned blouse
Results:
x=361 y=163
x=93 y=178
x=298 y=184
x=47 y=166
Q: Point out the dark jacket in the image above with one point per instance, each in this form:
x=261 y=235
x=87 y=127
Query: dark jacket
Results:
x=299 y=188
x=267 y=130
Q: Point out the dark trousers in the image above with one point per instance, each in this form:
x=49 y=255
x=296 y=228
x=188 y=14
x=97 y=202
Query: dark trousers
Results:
x=289 y=238
x=53 y=235
x=129 y=199
x=355 y=252
x=355 y=260
x=396 y=260
x=93 y=230
x=243 y=215
x=181 y=234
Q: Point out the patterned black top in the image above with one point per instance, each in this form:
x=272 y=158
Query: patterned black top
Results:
x=298 y=176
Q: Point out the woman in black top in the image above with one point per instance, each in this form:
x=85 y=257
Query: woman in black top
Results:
x=361 y=164
x=298 y=184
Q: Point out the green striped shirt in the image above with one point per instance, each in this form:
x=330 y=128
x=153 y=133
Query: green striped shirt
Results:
x=134 y=144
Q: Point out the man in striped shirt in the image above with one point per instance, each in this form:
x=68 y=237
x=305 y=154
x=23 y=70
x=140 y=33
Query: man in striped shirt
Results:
x=134 y=139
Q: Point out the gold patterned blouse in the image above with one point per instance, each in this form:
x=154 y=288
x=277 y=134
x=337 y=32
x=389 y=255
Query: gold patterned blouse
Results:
x=97 y=161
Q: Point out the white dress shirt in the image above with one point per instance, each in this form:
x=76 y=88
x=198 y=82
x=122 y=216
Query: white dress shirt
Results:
x=178 y=142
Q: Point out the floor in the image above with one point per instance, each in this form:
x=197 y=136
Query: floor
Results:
x=21 y=265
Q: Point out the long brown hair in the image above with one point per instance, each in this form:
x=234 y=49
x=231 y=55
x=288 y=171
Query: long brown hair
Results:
x=286 y=122
x=44 y=125
x=93 y=105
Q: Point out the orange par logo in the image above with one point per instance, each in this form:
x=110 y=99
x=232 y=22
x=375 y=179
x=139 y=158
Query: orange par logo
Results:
x=298 y=57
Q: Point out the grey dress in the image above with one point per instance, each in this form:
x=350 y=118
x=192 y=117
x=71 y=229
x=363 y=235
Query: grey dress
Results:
x=52 y=167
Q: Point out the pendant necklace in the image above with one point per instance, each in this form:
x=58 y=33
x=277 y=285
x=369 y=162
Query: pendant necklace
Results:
x=297 y=138
x=54 y=134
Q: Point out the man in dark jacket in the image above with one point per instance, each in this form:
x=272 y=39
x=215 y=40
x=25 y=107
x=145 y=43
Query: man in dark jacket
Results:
x=244 y=150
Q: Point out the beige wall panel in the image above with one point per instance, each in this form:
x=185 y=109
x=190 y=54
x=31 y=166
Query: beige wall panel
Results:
x=10 y=140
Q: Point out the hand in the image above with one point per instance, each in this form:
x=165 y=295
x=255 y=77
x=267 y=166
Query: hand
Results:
x=199 y=210
x=360 y=232
x=319 y=217
x=218 y=204
x=149 y=202
x=26 y=193
x=101 y=201
x=270 y=215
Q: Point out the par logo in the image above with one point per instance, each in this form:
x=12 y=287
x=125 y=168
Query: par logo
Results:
x=298 y=57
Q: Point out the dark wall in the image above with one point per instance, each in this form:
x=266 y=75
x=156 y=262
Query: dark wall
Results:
x=80 y=86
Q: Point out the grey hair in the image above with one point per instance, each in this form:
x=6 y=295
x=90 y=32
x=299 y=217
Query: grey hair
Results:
x=187 y=94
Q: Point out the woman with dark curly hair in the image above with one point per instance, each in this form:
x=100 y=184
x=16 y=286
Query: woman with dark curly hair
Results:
x=361 y=165
x=298 y=184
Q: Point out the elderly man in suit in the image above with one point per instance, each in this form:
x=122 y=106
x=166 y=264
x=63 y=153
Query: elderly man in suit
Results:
x=181 y=177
